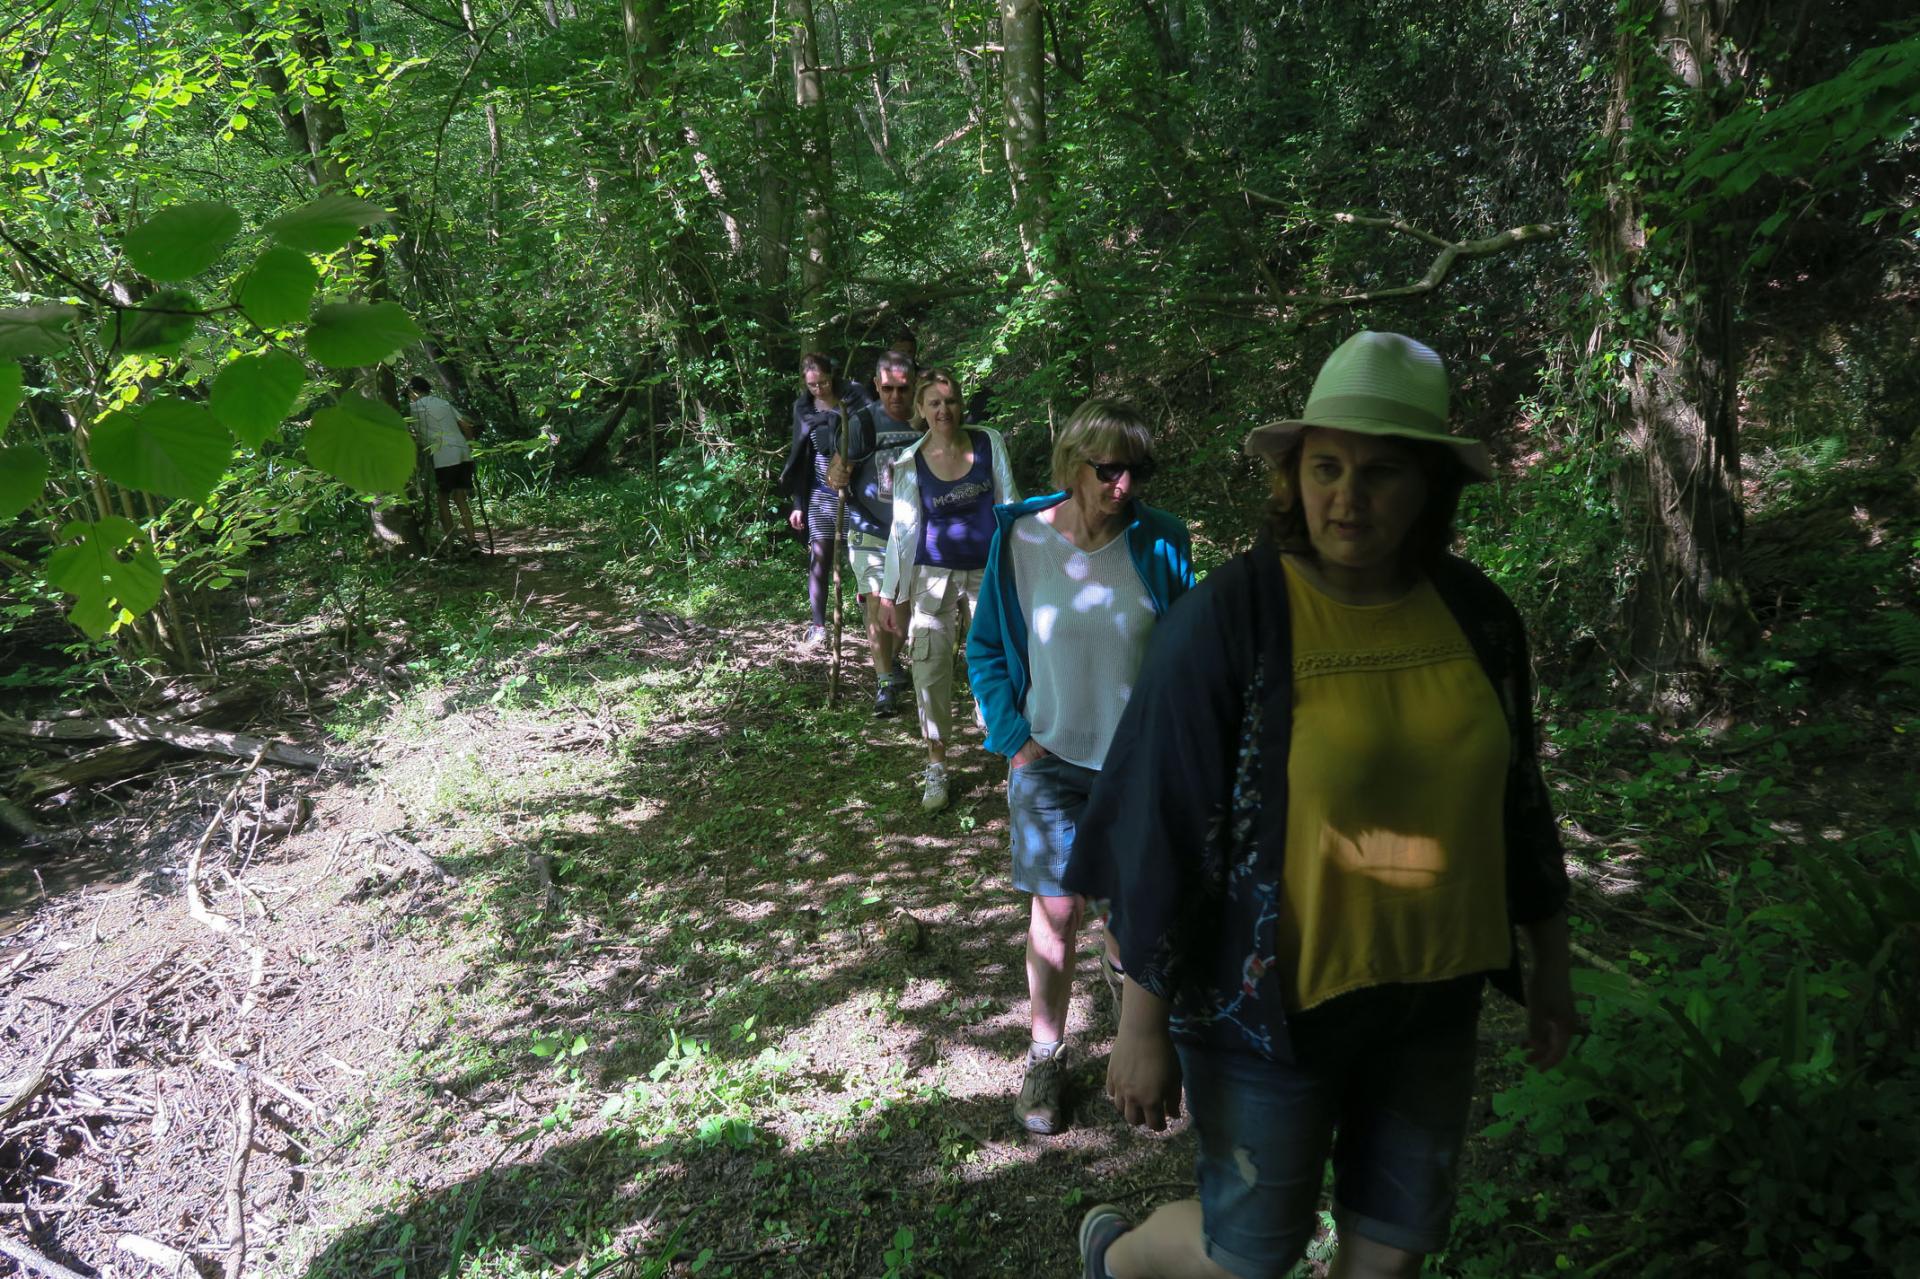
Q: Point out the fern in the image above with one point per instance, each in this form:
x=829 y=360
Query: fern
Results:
x=1903 y=641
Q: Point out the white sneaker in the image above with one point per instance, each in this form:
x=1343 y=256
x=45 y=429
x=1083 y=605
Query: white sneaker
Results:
x=933 y=795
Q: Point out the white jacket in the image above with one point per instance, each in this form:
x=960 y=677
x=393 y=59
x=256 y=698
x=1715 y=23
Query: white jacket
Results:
x=896 y=582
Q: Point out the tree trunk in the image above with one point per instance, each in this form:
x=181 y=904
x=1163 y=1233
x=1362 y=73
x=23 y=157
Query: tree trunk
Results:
x=773 y=215
x=816 y=168
x=1023 y=85
x=491 y=177
x=696 y=334
x=1678 y=485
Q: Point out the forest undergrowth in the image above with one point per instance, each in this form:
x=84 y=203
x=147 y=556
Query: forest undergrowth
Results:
x=610 y=949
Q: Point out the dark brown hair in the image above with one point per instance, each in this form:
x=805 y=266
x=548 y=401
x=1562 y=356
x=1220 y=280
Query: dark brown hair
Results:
x=814 y=362
x=1430 y=536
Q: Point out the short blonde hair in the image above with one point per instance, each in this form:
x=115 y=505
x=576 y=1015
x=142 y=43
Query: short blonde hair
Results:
x=1100 y=430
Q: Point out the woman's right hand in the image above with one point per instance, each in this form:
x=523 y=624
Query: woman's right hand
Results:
x=797 y=520
x=1027 y=754
x=889 y=616
x=1143 y=1074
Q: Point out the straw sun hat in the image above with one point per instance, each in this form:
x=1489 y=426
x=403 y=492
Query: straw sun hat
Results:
x=1377 y=384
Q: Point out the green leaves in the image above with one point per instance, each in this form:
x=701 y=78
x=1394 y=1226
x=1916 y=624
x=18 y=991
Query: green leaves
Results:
x=23 y=477
x=327 y=224
x=182 y=241
x=35 y=330
x=13 y=389
x=363 y=443
x=344 y=335
x=279 y=288
x=161 y=323
x=96 y=575
x=171 y=447
x=252 y=395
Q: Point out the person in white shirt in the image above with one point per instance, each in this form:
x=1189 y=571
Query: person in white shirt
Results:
x=446 y=433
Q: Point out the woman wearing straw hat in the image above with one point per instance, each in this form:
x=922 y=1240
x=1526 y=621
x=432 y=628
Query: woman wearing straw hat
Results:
x=1320 y=823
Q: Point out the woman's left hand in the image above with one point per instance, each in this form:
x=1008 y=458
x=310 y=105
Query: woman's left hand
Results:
x=1552 y=1022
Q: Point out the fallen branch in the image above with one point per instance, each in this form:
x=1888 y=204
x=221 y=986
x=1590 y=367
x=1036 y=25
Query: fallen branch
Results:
x=169 y=1261
x=1451 y=253
x=33 y=1261
x=21 y=1210
x=291 y=1094
x=141 y=728
x=541 y=864
x=31 y=1081
x=237 y=1183
x=103 y=764
x=420 y=855
x=15 y=820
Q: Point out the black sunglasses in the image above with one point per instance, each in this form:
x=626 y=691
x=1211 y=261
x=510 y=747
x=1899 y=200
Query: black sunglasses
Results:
x=1110 y=472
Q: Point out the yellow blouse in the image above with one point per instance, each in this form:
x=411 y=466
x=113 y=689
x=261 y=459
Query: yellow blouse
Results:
x=1395 y=865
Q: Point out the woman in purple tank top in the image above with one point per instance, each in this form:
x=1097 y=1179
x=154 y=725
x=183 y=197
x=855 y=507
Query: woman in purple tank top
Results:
x=944 y=491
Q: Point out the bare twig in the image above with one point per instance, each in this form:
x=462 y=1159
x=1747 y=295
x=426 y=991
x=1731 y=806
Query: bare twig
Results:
x=196 y=905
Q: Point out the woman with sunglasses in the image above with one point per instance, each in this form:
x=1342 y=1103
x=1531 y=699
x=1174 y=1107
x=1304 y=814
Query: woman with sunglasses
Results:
x=1321 y=822
x=1074 y=583
x=944 y=491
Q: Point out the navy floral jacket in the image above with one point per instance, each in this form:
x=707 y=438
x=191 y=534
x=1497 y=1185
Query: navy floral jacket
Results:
x=1185 y=831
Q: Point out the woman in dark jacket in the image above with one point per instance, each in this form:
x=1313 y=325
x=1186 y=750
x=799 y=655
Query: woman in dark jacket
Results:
x=1320 y=823
x=817 y=416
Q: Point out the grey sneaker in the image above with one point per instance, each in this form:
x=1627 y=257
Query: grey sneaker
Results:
x=933 y=793
x=1039 y=1108
x=814 y=637
x=1103 y=1224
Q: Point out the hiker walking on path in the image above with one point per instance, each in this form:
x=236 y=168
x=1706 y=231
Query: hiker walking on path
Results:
x=1321 y=819
x=875 y=438
x=944 y=490
x=1075 y=581
x=445 y=433
x=817 y=417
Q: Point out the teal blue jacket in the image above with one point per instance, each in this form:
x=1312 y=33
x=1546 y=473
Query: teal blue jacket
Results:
x=997 y=645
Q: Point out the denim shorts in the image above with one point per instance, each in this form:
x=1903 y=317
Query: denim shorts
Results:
x=1044 y=801
x=1380 y=1079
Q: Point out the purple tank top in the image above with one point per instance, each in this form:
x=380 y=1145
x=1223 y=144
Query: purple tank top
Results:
x=956 y=524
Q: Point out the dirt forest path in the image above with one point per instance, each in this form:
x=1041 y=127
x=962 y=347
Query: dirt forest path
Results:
x=613 y=953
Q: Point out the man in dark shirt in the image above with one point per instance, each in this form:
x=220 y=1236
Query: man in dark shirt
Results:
x=865 y=469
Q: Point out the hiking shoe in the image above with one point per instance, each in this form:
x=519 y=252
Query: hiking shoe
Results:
x=1116 y=983
x=886 y=698
x=814 y=637
x=933 y=792
x=1103 y=1224
x=1039 y=1107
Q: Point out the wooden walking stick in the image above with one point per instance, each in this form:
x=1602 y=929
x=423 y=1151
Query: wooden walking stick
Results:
x=839 y=535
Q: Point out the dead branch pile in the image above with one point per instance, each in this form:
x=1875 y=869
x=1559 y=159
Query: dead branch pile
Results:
x=90 y=750
x=165 y=1106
